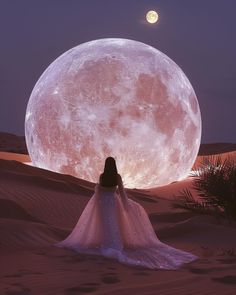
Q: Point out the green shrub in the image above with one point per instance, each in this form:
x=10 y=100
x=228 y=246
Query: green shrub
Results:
x=215 y=183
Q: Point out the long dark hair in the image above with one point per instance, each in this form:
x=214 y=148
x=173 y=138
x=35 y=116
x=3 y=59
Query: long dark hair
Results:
x=109 y=175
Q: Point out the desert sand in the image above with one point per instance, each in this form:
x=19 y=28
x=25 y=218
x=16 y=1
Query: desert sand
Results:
x=39 y=208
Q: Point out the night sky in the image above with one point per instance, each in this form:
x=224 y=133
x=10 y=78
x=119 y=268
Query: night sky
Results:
x=200 y=36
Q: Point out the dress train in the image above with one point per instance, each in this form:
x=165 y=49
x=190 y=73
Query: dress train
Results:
x=114 y=226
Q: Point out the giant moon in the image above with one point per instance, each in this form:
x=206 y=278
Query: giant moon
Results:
x=120 y=98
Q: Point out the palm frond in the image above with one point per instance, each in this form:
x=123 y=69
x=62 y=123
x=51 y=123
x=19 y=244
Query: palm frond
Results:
x=215 y=184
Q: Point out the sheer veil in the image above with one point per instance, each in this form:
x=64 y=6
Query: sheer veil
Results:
x=115 y=226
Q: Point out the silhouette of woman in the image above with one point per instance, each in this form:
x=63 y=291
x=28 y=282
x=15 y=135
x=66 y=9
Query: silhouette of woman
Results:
x=117 y=227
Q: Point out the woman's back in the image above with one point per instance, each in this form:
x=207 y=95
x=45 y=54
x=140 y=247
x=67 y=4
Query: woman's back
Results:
x=108 y=180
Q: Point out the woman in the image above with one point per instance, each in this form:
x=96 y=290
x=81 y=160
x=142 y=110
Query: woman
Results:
x=115 y=226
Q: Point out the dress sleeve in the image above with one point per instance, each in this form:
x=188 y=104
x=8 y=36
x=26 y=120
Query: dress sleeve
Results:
x=122 y=192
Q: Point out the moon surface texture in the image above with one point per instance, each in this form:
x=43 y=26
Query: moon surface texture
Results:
x=120 y=98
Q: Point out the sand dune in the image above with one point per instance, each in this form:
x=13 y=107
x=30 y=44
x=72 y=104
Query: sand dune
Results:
x=12 y=143
x=40 y=207
x=14 y=157
x=216 y=148
x=226 y=155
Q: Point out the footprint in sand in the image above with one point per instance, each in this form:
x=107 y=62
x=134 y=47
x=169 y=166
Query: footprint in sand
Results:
x=141 y=273
x=84 y=270
x=17 y=275
x=74 y=260
x=204 y=261
x=111 y=268
x=200 y=271
x=110 y=278
x=83 y=288
x=18 y=290
x=39 y=253
x=29 y=272
x=231 y=280
x=23 y=272
x=227 y=260
x=100 y=262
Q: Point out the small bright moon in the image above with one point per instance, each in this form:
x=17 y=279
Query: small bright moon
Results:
x=152 y=16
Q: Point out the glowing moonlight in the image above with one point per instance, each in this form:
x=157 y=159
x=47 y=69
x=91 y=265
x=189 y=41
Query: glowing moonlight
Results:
x=114 y=97
x=152 y=17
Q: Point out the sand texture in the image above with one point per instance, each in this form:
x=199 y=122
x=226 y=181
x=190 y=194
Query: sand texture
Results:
x=39 y=208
